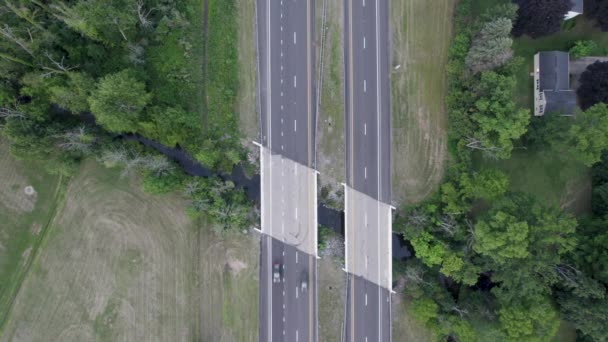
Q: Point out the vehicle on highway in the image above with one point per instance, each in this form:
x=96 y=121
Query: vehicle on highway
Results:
x=304 y=281
x=277 y=270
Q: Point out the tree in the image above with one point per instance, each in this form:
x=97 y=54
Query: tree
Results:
x=589 y=315
x=588 y=135
x=598 y=10
x=599 y=200
x=537 y=18
x=74 y=95
x=533 y=320
x=108 y=21
x=593 y=85
x=77 y=141
x=583 y=48
x=491 y=48
x=502 y=237
x=498 y=119
x=225 y=206
x=428 y=249
x=425 y=310
x=171 y=125
x=118 y=101
x=487 y=184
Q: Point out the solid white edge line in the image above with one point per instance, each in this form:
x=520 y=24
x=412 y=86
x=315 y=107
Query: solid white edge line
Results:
x=345 y=227
x=315 y=217
x=390 y=250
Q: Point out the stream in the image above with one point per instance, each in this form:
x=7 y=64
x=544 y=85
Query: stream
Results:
x=332 y=218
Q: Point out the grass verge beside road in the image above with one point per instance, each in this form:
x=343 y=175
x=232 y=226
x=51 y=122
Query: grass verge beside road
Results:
x=119 y=264
x=246 y=106
x=330 y=62
x=421 y=33
x=330 y=118
x=331 y=287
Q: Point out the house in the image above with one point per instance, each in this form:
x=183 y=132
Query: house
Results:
x=552 y=91
x=575 y=9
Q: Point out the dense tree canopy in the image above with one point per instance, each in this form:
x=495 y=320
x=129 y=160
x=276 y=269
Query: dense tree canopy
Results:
x=588 y=135
x=118 y=101
x=497 y=116
x=493 y=264
x=598 y=10
x=537 y=18
x=492 y=46
x=593 y=85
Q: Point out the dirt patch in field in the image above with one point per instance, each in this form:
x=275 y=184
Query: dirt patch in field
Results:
x=121 y=265
x=236 y=265
x=421 y=31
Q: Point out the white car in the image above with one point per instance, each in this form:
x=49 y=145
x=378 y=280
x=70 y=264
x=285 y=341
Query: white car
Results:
x=304 y=281
x=276 y=273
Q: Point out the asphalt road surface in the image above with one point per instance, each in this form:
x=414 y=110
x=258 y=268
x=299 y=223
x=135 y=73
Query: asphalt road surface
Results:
x=285 y=64
x=287 y=307
x=368 y=134
x=368 y=170
x=364 y=323
x=286 y=67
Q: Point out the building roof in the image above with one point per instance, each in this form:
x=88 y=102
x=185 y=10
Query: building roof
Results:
x=554 y=73
x=562 y=102
x=553 y=83
x=577 y=6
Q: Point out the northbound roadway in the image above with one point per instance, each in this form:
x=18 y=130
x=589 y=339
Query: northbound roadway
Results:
x=288 y=307
x=368 y=213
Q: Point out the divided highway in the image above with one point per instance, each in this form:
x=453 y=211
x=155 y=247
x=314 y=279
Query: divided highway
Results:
x=368 y=213
x=288 y=270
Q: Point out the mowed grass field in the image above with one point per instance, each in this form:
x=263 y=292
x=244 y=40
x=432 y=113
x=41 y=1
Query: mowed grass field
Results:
x=23 y=220
x=421 y=33
x=247 y=56
x=121 y=265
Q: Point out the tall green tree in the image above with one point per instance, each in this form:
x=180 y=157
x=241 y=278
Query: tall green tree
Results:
x=118 y=101
x=498 y=119
x=74 y=95
x=588 y=135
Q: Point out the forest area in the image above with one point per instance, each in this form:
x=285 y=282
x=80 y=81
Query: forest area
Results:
x=78 y=76
x=494 y=262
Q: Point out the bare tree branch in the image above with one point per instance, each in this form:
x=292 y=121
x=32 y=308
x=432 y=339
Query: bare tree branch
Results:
x=476 y=144
x=8 y=113
x=77 y=140
x=7 y=32
x=143 y=14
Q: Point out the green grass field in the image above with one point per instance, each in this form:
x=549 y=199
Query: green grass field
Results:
x=421 y=33
x=119 y=264
x=330 y=123
x=548 y=176
x=246 y=106
x=23 y=220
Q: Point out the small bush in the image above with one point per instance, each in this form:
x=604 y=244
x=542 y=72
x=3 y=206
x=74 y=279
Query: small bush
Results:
x=583 y=48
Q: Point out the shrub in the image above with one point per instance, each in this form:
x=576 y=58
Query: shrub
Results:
x=583 y=48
